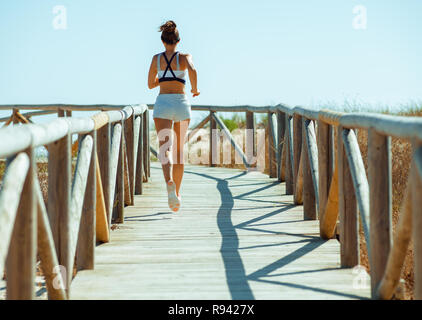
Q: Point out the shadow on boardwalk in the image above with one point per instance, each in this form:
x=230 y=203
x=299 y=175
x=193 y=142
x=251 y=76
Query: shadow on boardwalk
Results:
x=237 y=278
x=237 y=236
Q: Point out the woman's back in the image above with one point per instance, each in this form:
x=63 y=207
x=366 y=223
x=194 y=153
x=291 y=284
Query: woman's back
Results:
x=174 y=73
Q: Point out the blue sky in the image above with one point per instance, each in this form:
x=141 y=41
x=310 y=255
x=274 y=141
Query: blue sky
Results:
x=301 y=52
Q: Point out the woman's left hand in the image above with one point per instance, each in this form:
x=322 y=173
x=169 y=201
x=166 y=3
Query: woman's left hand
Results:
x=195 y=93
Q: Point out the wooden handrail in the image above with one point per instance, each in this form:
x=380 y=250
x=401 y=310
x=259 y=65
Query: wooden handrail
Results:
x=67 y=227
x=13 y=181
x=301 y=149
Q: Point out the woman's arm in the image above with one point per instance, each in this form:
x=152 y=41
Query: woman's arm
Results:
x=152 y=74
x=193 y=75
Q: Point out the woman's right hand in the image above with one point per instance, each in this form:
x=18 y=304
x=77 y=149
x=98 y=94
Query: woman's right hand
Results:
x=195 y=92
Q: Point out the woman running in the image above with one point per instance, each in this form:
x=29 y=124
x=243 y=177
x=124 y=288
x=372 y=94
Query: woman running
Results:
x=172 y=109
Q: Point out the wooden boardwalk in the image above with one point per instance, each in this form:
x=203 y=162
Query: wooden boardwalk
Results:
x=237 y=236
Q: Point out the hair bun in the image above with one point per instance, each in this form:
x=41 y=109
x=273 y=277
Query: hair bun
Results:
x=169 y=26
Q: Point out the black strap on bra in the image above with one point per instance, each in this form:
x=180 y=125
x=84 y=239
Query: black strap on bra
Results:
x=163 y=78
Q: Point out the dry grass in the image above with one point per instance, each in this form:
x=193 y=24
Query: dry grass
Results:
x=401 y=159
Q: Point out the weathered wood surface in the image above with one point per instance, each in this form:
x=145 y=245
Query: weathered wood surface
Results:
x=101 y=221
x=380 y=190
x=398 y=251
x=417 y=217
x=21 y=258
x=10 y=195
x=243 y=240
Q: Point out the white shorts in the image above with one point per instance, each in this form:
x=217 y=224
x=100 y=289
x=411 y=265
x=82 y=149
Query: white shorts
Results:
x=172 y=106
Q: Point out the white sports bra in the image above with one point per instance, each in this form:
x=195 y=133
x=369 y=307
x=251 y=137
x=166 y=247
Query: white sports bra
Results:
x=175 y=75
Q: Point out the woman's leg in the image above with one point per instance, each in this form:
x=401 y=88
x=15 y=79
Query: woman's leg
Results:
x=180 y=129
x=164 y=131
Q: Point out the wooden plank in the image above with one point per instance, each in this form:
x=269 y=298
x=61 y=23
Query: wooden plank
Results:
x=10 y=194
x=120 y=187
x=59 y=188
x=148 y=144
x=299 y=181
x=103 y=151
x=397 y=254
x=127 y=195
x=47 y=251
x=87 y=234
x=332 y=152
x=281 y=129
x=130 y=154
x=283 y=161
x=349 y=223
x=311 y=144
x=380 y=189
x=140 y=158
x=250 y=146
x=360 y=182
x=272 y=145
x=136 y=137
x=114 y=158
x=213 y=156
x=324 y=149
x=297 y=148
x=102 y=229
x=417 y=218
x=79 y=184
x=145 y=144
x=309 y=198
x=328 y=222
x=289 y=157
x=21 y=258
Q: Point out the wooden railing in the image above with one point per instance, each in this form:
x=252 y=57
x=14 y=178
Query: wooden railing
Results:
x=317 y=154
x=112 y=164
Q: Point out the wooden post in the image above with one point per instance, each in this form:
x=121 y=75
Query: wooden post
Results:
x=120 y=183
x=21 y=259
x=349 y=223
x=289 y=165
x=331 y=152
x=417 y=219
x=213 y=141
x=87 y=230
x=59 y=188
x=130 y=152
x=60 y=113
x=15 y=118
x=297 y=147
x=128 y=196
x=309 y=204
x=103 y=151
x=391 y=279
x=271 y=143
x=148 y=144
x=139 y=160
x=281 y=129
x=379 y=174
x=250 y=147
x=68 y=113
x=145 y=143
x=324 y=150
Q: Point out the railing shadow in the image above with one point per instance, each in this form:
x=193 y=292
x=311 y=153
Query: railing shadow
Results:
x=237 y=279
